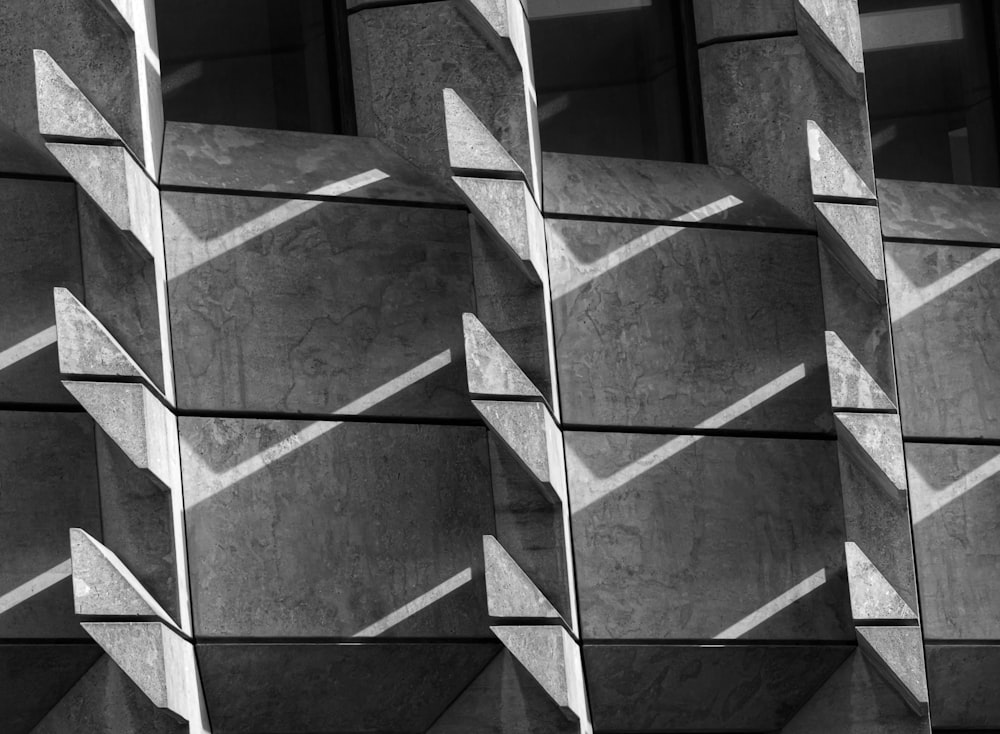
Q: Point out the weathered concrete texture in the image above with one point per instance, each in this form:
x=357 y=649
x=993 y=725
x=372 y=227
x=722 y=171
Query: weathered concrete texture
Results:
x=854 y=236
x=34 y=677
x=510 y=592
x=956 y=532
x=85 y=346
x=831 y=31
x=832 y=175
x=471 y=146
x=872 y=596
x=250 y=159
x=305 y=529
x=552 y=658
x=963 y=685
x=302 y=306
x=875 y=442
x=491 y=371
x=661 y=190
x=757 y=97
x=105 y=701
x=851 y=385
x=939 y=212
x=704 y=688
x=945 y=304
x=336 y=687
x=672 y=327
x=897 y=653
x=717 y=19
x=441 y=49
x=39 y=249
x=49 y=484
x=63 y=110
x=705 y=537
x=856 y=700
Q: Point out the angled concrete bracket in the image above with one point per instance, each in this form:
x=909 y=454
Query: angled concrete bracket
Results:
x=831 y=32
x=898 y=655
x=471 y=146
x=832 y=176
x=63 y=110
x=872 y=596
x=875 y=441
x=85 y=346
x=491 y=371
x=851 y=386
x=853 y=235
x=509 y=591
x=504 y=23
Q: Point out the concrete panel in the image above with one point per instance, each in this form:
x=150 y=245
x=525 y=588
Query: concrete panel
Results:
x=85 y=345
x=854 y=236
x=302 y=306
x=832 y=175
x=897 y=653
x=945 y=303
x=874 y=441
x=831 y=31
x=49 y=485
x=490 y=369
x=471 y=146
x=552 y=658
x=872 y=596
x=510 y=592
x=63 y=110
x=757 y=97
x=718 y=19
x=851 y=385
x=939 y=212
x=694 y=688
x=668 y=327
x=305 y=529
x=39 y=249
x=660 y=190
x=250 y=159
x=689 y=537
x=326 y=688
x=962 y=681
x=956 y=532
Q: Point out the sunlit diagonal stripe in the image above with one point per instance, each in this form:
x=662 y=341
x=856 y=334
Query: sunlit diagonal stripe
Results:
x=423 y=601
x=925 y=501
x=710 y=210
x=758 y=617
x=37 y=585
x=26 y=348
x=909 y=298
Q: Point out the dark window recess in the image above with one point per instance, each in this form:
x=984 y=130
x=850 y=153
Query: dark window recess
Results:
x=617 y=78
x=931 y=72
x=280 y=64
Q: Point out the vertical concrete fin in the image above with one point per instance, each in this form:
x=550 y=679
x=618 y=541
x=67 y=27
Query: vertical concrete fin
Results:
x=503 y=23
x=851 y=385
x=63 y=110
x=872 y=596
x=831 y=32
x=471 y=146
x=853 y=234
x=85 y=346
x=897 y=654
x=490 y=370
x=509 y=591
x=875 y=441
x=832 y=176
x=508 y=212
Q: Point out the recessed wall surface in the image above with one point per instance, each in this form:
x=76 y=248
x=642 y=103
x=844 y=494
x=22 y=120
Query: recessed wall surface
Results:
x=939 y=212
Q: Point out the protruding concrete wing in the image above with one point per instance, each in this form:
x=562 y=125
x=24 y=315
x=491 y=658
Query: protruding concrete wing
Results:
x=832 y=176
x=103 y=586
x=552 y=658
x=141 y=425
x=527 y=429
x=853 y=234
x=85 y=346
x=898 y=654
x=831 y=31
x=509 y=591
x=490 y=370
x=504 y=24
x=875 y=440
x=63 y=110
x=872 y=596
x=851 y=386
x=471 y=146
x=507 y=211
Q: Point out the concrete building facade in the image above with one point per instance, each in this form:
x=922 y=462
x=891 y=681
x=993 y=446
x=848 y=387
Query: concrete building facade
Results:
x=372 y=408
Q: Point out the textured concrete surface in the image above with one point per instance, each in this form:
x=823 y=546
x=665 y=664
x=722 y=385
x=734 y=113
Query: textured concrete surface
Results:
x=306 y=529
x=250 y=159
x=854 y=236
x=962 y=680
x=85 y=346
x=898 y=654
x=872 y=596
x=700 y=538
x=851 y=385
x=510 y=592
x=717 y=19
x=874 y=441
x=831 y=31
x=63 y=110
x=939 y=212
x=325 y=688
x=695 y=688
x=671 y=327
x=301 y=306
x=552 y=658
x=832 y=175
x=490 y=370
x=945 y=312
x=471 y=146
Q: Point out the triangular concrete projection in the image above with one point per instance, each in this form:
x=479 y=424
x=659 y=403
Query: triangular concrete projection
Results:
x=851 y=386
x=85 y=346
x=503 y=24
x=103 y=586
x=490 y=370
x=63 y=110
x=898 y=655
x=853 y=234
x=509 y=591
x=471 y=146
x=872 y=596
x=875 y=441
x=552 y=658
x=831 y=32
x=832 y=176
x=507 y=211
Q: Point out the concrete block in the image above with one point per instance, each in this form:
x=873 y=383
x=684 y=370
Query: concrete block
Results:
x=832 y=175
x=831 y=30
x=490 y=370
x=553 y=659
x=471 y=146
x=63 y=110
x=851 y=386
x=720 y=19
x=876 y=443
x=897 y=653
x=962 y=681
x=872 y=596
x=939 y=212
x=85 y=346
x=532 y=436
x=35 y=676
x=854 y=236
x=509 y=590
